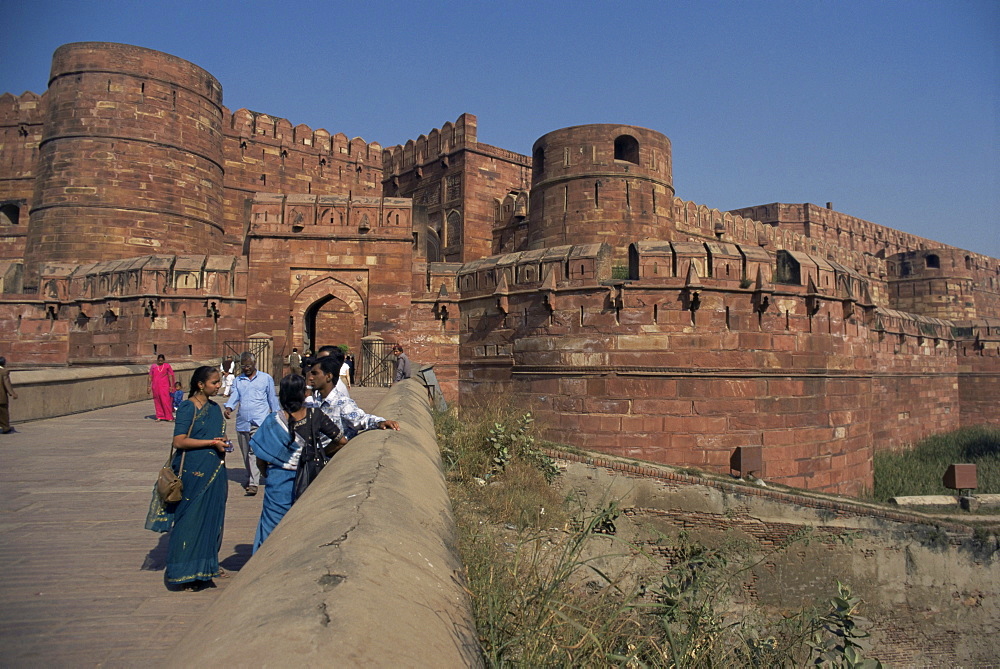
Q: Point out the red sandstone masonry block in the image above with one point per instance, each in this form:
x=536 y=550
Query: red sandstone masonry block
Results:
x=786 y=342
x=718 y=459
x=728 y=388
x=727 y=442
x=785 y=387
x=709 y=407
x=780 y=437
x=591 y=423
x=545 y=386
x=761 y=420
x=694 y=424
x=756 y=341
x=661 y=407
x=777 y=467
x=639 y=424
x=640 y=387
x=606 y=406
x=596 y=388
x=573 y=387
x=567 y=404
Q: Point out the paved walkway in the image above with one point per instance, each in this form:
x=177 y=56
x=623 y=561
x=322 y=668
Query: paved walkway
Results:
x=81 y=580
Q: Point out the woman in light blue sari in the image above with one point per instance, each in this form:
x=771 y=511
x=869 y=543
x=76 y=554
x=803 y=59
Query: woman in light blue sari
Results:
x=196 y=522
x=287 y=441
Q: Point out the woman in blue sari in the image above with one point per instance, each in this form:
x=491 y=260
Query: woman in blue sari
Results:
x=197 y=520
x=284 y=443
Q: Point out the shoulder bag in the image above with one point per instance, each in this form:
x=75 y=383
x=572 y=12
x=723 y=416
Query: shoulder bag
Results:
x=311 y=460
x=168 y=483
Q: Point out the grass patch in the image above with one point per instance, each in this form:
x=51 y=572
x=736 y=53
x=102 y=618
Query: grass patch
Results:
x=552 y=586
x=919 y=471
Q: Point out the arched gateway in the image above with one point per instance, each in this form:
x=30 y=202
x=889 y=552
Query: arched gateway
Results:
x=328 y=311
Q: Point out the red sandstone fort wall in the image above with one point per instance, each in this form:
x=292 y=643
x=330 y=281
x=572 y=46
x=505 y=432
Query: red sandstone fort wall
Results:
x=129 y=163
x=600 y=183
x=680 y=365
x=21 y=120
x=267 y=154
x=127 y=310
x=362 y=279
x=456 y=182
x=813 y=334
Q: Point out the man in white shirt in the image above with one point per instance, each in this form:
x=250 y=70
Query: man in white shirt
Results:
x=326 y=351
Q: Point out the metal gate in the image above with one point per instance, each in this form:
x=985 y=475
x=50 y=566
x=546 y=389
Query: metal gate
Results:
x=260 y=349
x=377 y=364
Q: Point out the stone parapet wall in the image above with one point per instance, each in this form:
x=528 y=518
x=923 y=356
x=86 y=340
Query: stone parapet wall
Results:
x=362 y=571
x=60 y=391
x=929 y=586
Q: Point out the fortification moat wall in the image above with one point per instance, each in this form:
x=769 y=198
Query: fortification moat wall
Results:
x=929 y=588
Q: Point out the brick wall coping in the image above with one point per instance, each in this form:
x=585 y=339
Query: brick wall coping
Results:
x=799 y=497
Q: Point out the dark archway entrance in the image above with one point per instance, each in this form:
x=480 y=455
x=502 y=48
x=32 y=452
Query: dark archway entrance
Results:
x=330 y=321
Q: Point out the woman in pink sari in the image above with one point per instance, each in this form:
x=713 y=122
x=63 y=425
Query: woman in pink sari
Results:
x=161 y=381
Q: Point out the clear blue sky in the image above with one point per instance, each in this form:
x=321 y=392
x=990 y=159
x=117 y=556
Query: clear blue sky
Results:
x=889 y=109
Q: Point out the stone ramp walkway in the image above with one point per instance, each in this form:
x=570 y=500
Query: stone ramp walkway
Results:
x=81 y=580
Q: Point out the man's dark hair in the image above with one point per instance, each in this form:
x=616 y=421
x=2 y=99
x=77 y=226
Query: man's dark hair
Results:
x=331 y=364
x=3 y=361
x=329 y=350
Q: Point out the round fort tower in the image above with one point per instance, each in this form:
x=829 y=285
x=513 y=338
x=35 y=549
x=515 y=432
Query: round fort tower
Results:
x=600 y=183
x=130 y=161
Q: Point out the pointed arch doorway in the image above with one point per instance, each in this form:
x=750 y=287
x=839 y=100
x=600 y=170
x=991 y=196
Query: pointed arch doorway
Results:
x=330 y=320
x=328 y=312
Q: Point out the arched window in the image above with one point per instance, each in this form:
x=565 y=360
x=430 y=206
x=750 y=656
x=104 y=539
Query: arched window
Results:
x=627 y=149
x=10 y=214
x=537 y=163
x=933 y=262
x=453 y=230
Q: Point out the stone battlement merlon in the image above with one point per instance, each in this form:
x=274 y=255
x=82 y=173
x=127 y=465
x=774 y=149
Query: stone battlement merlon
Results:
x=706 y=222
x=144 y=276
x=851 y=232
x=585 y=264
x=25 y=108
x=504 y=154
x=275 y=131
x=436 y=144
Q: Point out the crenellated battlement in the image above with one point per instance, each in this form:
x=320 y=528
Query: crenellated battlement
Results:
x=275 y=131
x=559 y=266
x=26 y=108
x=439 y=142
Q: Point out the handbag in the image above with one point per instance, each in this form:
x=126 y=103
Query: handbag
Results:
x=169 y=486
x=311 y=462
